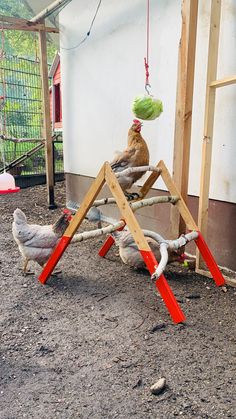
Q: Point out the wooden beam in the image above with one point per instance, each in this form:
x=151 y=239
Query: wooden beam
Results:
x=229 y=281
x=47 y=131
x=86 y=204
x=184 y=101
x=15 y=23
x=35 y=28
x=149 y=183
x=125 y=209
x=180 y=204
x=12 y=19
x=224 y=82
x=208 y=122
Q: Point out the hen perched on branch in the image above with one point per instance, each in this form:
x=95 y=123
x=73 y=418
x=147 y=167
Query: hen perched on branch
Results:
x=37 y=242
x=136 y=154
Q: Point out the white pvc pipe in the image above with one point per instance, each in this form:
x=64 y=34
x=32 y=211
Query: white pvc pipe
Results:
x=49 y=10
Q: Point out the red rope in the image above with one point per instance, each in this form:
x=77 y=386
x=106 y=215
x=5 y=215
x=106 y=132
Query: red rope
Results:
x=146 y=59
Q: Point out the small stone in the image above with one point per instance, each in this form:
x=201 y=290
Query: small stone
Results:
x=224 y=289
x=158 y=386
x=24 y=285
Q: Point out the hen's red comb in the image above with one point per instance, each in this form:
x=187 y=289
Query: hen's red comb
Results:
x=136 y=122
x=68 y=212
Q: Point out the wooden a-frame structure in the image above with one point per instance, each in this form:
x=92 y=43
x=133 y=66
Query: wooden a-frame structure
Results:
x=107 y=176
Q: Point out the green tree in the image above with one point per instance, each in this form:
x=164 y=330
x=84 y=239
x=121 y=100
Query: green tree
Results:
x=22 y=43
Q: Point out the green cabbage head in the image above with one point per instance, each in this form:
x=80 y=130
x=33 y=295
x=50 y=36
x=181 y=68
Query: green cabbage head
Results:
x=146 y=107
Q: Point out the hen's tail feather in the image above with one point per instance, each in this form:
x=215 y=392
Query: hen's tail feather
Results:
x=19 y=216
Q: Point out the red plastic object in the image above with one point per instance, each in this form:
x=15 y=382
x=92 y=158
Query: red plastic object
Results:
x=6 y=191
x=54 y=258
x=210 y=261
x=163 y=287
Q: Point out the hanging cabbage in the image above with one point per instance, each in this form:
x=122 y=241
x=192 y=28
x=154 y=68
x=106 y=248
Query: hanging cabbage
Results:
x=146 y=107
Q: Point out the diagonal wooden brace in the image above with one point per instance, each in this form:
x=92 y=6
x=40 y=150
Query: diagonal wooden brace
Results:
x=209 y=260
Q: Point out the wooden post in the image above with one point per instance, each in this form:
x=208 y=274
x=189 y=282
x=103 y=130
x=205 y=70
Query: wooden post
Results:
x=47 y=131
x=208 y=121
x=184 y=100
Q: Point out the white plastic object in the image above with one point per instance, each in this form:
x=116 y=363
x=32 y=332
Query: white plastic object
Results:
x=7 y=183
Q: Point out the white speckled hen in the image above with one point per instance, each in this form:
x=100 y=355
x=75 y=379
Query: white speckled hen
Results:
x=37 y=242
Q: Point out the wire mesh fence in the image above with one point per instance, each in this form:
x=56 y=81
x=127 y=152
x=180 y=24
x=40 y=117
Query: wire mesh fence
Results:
x=21 y=119
x=28 y=158
x=21 y=93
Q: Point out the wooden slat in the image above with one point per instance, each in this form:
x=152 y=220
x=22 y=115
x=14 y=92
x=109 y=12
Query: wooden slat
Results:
x=228 y=280
x=47 y=131
x=148 y=184
x=224 y=82
x=12 y=19
x=126 y=211
x=180 y=205
x=208 y=122
x=15 y=23
x=184 y=102
x=87 y=202
x=35 y=28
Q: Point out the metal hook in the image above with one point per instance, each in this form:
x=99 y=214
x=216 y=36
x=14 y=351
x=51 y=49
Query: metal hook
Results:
x=147 y=87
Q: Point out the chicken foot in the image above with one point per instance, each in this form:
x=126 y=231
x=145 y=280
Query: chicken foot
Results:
x=25 y=272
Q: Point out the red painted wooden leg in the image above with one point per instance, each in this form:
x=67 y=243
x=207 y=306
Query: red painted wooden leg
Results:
x=210 y=261
x=106 y=246
x=164 y=288
x=54 y=258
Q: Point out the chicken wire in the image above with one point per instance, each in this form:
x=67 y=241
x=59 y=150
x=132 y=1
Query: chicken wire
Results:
x=21 y=93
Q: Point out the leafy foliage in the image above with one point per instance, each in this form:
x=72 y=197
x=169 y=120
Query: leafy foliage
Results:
x=22 y=43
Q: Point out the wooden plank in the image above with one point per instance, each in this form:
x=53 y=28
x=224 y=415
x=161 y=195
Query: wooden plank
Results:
x=47 y=131
x=228 y=280
x=224 y=82
x=35 y=28
x=124 y=207
x=180 y=205
x=184 y=103
x=12 y=19
x=148 y=184
x=15 y=23
x=86 y=203
x=208 y=122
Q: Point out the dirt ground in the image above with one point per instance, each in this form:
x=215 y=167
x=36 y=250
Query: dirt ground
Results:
x=91 y=342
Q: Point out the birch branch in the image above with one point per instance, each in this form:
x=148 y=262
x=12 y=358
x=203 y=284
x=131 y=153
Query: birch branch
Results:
x=183 y=240
x=97 y=233
x=139 y=204
x=163 y=262
x=130 y=170
x=154 y=200
x=169 y=245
